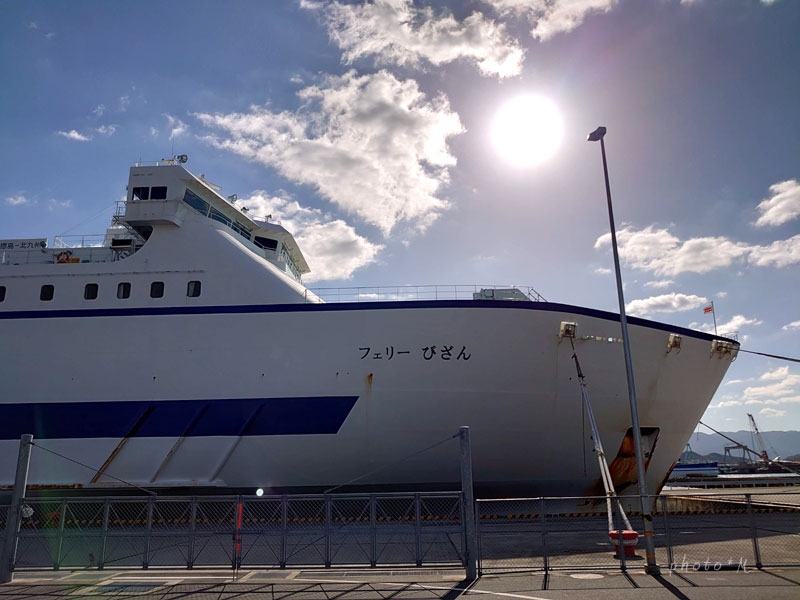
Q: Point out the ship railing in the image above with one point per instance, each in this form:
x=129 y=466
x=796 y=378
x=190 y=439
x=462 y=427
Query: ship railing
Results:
x=426 y=293
x=79 y=241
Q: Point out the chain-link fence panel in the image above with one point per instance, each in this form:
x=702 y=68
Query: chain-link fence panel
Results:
x=4 y=508
x=559 y=533
x=305 y=535
x=351 y=532
x=214 y=540
x=126 y=527
x=170 y=539
x=708 y=532
x=776 y=519
x=511 y=535
x=41 y=527
x=263 y=531
x=81 y=540
x=441 y=529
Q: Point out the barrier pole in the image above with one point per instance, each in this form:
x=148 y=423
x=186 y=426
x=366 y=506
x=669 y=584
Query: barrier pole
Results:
x=9 y=555
x=468 y=498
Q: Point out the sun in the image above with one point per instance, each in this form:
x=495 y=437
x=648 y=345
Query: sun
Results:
x=527 y=130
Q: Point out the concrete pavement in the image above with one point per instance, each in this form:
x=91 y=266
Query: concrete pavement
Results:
x=444 y=584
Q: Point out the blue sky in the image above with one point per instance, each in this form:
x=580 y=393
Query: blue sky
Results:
x=368 y=129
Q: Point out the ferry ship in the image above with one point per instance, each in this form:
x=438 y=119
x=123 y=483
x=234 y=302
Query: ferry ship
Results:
x=183 y=349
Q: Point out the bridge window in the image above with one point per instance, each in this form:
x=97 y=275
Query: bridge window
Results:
x=196 y=202
x=157 y=289
x=47 y=292
x=2 y=293
x=267 y=243
x=123 y=290
x=158 y=192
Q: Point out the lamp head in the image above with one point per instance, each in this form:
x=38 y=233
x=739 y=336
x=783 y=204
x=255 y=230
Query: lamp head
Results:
x=597 y=134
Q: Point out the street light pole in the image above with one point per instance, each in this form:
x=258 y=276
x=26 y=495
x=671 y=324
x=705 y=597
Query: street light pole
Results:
x=652 y=568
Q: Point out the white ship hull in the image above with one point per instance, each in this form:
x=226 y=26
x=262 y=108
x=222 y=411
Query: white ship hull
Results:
x=343 y=370
x=249 y=386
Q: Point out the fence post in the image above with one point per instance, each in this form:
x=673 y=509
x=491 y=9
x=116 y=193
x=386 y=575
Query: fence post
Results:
x=543 y=518
x=106 y=510
x=237 y=535
x=148 y=533
x=61 y=518
x=284 y=529
x=9 y=554
x=753 y=530
x=373 y=531
x=620 y=542
x=468 y=498
x=328 y=529
x=417 y=531
x=670 y=555
x=192 y=532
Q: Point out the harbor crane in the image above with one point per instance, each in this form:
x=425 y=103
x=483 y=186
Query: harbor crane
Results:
x=762 y=448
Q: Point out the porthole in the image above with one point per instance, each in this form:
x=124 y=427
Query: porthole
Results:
x=123 y=290
x=193 y=289
x=90 y=291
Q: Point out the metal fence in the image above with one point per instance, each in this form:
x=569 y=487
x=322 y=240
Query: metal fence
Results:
x=240 y=532
x=693 y=532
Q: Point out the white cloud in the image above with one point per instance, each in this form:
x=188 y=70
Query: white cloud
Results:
x=74 y=135
x=551 y=17
x=776 y=375
x=386 y=136
x=331 y=247
x=660 y=252
x=176 y=126
x=99 y=110
x=771 y=412
x=734 y=326
x=659 y=284
x=397 y=32
x=727 y=404
x=791 y=326
x=781 y=253
x=17 y=200
x=54 y=204
x=106 y=130
x=782 y=206
x=780 y=387
x=666 y=303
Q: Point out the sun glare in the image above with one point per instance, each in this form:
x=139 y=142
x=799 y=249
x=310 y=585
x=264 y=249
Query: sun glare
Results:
x=527 y=130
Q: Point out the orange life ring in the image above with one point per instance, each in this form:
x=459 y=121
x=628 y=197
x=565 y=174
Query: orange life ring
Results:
x=62 y=257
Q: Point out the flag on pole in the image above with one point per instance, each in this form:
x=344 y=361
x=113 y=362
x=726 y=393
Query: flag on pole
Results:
x=708 y=309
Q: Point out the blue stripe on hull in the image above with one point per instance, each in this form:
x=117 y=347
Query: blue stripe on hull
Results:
x=172 y=418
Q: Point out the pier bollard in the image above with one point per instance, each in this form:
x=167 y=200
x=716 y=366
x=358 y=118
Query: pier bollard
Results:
x=629 y=539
